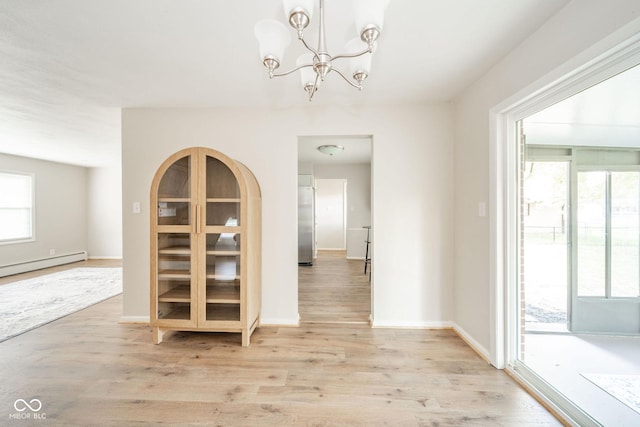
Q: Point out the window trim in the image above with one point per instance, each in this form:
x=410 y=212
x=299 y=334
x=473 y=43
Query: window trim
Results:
x=32 y=238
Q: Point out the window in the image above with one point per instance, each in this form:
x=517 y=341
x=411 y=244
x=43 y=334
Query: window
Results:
x=16 y=207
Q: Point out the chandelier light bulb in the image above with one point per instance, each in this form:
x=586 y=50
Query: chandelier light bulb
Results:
x=369 y=17
x=298 y=13
x=274 y=39
x=308 y=75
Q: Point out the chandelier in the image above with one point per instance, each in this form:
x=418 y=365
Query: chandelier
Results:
x=314 y=66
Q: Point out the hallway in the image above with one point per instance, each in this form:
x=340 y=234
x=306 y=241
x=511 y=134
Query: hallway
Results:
x=334 y=290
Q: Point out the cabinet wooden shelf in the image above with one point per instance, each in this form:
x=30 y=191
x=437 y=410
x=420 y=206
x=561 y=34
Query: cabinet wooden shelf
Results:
x=177 y=313
x=223 y=253
x=174 y=274
x=175 y=250
x=177 y=294
x=173 y=200
x=223 y=312
x=205 y=245
x=222 y=200
x=223 y=295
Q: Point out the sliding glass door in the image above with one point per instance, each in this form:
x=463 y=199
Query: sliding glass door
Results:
x=545 y=244
x=606 y=285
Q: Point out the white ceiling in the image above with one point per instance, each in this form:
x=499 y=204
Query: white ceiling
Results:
x=67 y=67
x=357 y=149
x=604 y=115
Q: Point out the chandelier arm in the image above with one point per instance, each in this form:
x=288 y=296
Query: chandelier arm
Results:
x=286 y=73
x=309 y=48
x=353 y=55
x=357 y=86
x=315 y=87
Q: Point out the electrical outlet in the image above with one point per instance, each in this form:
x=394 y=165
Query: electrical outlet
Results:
x=52 y=251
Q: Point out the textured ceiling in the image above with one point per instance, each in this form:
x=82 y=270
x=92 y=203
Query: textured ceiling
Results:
x=69 y=66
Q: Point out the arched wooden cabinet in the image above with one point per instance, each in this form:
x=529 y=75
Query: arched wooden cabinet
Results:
x=205 y=245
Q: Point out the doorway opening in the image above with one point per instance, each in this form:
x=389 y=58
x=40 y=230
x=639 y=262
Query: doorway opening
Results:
x=333 y=286
x=577 y=296
x=331 y=214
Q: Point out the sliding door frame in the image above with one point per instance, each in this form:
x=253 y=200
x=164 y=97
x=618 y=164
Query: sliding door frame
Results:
x=578 y=74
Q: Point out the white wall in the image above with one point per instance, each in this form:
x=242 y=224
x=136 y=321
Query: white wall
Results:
x=61 y=209
x=579 y=32
x=412 y=201
x=358 y=178
x=104 y=212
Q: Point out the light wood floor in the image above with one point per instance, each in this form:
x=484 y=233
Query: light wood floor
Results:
x=334 y=289
x=89 y=370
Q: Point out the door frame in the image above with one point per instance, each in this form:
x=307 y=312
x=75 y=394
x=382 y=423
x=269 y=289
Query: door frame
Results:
x=620 y=52
x=370 y=138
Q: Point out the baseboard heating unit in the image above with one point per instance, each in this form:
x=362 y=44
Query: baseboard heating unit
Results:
x=52 y=261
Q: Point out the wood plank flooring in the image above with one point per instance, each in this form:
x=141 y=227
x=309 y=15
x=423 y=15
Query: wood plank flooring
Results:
x=89 y=370
x=334 y=289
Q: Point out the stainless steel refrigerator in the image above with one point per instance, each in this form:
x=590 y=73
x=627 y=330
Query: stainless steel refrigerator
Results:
x=306 y=225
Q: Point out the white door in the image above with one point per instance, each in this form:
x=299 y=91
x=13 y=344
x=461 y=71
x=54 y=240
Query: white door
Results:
x=330 y=213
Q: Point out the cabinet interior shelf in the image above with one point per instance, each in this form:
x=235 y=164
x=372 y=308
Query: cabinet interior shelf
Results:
x=178 y=313
x=223 y=312
x=222 y=253
x=175 y=250
x=215 y=295
x=224 y=294
x=217 y=229
x=222 y=200
x=173 y=200
x=222 y=277
x=178 y=294
x=174 y=274
x=215 y=312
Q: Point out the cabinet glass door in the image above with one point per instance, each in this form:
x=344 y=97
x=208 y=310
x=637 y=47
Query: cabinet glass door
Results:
x=175 y=281
x=174 y=194
x=223 y=195
x=174 y=276
x=223 y=242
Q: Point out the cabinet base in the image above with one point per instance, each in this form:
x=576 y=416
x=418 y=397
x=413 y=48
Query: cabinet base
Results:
x=158 y=332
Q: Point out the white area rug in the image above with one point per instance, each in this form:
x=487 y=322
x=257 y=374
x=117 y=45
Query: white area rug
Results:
x=625 y=388
x=30 y=303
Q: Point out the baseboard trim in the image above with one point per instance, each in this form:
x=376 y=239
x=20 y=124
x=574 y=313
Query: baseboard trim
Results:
x=471 y=342
x=412 y=325
x=279 y=322
x=39 y=264
x=105 y=257
x=356 y=258
x=134 y=320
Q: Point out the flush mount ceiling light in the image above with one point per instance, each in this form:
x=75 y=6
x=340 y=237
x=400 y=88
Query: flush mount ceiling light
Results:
x=331 y=149
x=274 y=38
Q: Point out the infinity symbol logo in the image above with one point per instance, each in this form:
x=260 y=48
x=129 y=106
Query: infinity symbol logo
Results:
x=21 y=405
